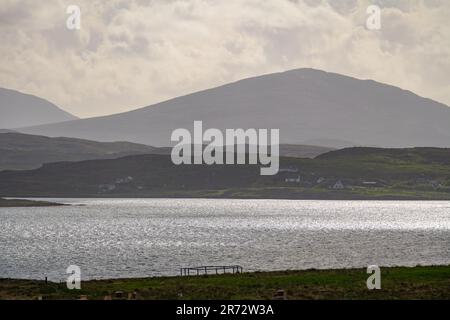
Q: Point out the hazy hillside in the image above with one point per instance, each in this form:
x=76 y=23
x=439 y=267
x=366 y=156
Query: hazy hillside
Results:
x=19 y=110
x=22 y=151
x=308 y=106
x=359 y=173
x=302 y=151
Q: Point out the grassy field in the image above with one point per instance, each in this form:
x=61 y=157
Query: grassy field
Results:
x=397 y=283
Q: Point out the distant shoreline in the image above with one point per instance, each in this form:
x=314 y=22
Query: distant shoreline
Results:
x=18 y=203
x=258 y=194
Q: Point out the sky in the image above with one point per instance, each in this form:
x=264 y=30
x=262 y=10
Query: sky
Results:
x=129 y=54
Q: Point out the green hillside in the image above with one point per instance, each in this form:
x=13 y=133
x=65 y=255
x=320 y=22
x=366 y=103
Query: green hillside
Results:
x=355 y=173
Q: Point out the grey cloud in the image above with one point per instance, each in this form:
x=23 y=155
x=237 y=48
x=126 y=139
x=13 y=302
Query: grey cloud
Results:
x=133 y=53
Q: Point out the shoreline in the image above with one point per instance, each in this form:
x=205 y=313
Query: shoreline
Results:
x=213 y=194
x=420 y=282
x=22 y=203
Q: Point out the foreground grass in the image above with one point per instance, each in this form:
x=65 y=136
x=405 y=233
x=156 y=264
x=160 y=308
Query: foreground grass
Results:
x=397 y=283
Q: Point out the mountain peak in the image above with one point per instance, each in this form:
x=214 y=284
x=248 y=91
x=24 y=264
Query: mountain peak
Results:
x=18 y=109
x=305 y=104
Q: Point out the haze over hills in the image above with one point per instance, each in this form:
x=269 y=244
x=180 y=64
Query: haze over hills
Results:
x=19 y=110
x=305 y=104
x=22 y=151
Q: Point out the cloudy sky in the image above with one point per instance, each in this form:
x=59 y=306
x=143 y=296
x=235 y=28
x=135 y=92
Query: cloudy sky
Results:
x=133 y=53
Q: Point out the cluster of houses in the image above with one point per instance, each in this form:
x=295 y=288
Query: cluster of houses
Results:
x=103 y=188
x=291 y=175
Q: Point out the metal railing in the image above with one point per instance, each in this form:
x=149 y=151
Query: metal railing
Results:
x=205 y=270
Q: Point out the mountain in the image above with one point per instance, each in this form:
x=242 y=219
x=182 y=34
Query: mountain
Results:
x=20 y=110
x=355 y=173
x=21 y=151
x=306 y=105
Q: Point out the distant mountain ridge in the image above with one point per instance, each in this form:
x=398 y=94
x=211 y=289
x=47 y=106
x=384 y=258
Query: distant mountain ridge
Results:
x=20 y=110
x=307 y=105
x=22 y=151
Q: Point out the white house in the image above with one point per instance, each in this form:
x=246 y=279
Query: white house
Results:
x=293 y=180
x=338 y=185
x=320 y=180
x=124 y=180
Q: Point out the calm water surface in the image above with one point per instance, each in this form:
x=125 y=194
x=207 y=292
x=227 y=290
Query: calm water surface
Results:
x=111 y=238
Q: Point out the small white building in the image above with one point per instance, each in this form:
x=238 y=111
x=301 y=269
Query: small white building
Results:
x=124 y=180
x=293 y=180
x=338 y=185
x=320 y=180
